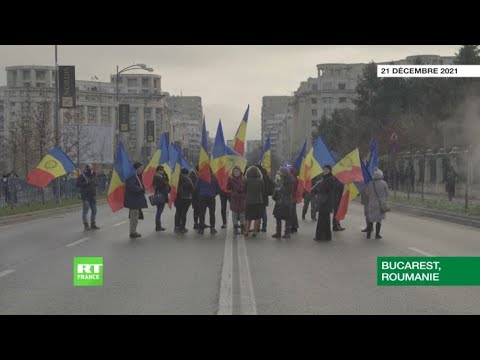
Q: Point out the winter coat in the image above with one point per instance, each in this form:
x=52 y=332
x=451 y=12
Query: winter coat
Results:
x=185 y=188
x=161 y=185
x=269 y=186
x=324 y=192
x=135 y=193
x=88 y=186
x=237 y=186
x=283 y=197
x=374 y=211
x=337 y=193
x=254 y=186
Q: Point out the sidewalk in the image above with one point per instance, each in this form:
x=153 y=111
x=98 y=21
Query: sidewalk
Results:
x=459 y=198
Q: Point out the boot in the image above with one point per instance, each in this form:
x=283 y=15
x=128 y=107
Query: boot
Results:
x=94 y=226
x=278 y=234
x=378 y=225
x=135 y=235
x=369 y=229
x=160 y=226
x=86 y=227
x=287 y=234
x=157 y=226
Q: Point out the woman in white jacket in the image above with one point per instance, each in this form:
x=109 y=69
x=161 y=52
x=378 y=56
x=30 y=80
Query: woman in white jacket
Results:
x=377 y=193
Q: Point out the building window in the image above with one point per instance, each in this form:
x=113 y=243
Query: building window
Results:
x=145 y=82
x=79 y=114
x=156 y=83
x=92 y=113
x=314 y=87
x=337 y=72
x=12 y=104
x=132 y=82
x=40 y=75
x=342 y=86
x=40 y=85
x=342 y=100
x=314 y=112
x=27 y=84
x=105 y=114
x=314 y=100
x=26 y=74
x=327 y=86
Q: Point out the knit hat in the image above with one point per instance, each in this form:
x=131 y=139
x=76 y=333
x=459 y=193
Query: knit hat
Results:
x=137 y=165
x=377 y=174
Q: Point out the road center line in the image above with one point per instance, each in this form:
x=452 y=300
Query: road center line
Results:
x=247 y=297
x=78 y=241
x=6 y=272
x=420 y=251
x=225 y=302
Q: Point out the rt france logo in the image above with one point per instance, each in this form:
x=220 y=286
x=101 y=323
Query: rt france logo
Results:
x=88 y=271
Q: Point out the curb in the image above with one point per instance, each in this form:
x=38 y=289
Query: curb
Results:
x=451 y=217
x=13 y=219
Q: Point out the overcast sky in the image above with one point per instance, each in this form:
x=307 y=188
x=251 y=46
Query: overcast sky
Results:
x=226 y=77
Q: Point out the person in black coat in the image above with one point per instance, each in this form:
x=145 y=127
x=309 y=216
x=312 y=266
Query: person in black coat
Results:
x=324 y=195
x=162 y=189
x=195 y=198
x=337 y=197
x=282 y=195
x=268 y=183
x=135 y=198
x=183 y=201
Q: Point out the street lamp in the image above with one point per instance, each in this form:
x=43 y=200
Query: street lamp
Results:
x=128 y=68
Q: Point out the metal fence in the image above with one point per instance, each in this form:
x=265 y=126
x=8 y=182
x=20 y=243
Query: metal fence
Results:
x=17 y=192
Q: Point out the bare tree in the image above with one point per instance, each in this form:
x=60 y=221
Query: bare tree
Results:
x=13 y=145
x=75 y=138
x=42 y=129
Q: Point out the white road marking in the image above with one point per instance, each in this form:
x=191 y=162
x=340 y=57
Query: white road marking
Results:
x=119 y=223
x=6 y=272
x=5 y=226
x=225 y=302
x=78 y=241
x=420 y=251
x=247 y=297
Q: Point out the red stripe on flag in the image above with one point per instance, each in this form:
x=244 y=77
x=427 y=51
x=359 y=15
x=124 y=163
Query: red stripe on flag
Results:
x=239 y=146
x=39 y=178
x=299 y=194
x=349 y=176
x=148 y=176
x=116 y=199
x=172 y=196
x=343 y=206
x=222 y=178
x=204 y=173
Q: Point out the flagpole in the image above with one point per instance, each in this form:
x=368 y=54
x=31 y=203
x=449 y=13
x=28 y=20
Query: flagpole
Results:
x=56 y=116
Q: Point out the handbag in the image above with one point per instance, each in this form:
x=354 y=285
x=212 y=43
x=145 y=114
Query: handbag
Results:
x=383 y=207
x=156 y=199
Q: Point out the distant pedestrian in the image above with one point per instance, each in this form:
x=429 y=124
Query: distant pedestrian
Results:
x=160 y=184
x=183 y=201
x=294 y=217
x=324 y=189
x=87 y=182
x=377 y=192
x=195 y=198
x=282 y=195
x=451 y=178
x=268 y=191
x=236 y=185
x=135 y=199
x=207 y=199
x=255 y=189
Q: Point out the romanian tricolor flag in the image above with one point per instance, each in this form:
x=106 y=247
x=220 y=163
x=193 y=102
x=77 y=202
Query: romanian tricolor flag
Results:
x=234 y=159
x=348 y=169
x=240 y=137
x=203 y=162
x=55 y=164
x=155 y=161
x=299 y=165
x=175 y=164
x=266 y=160
x=318 y=156
x=122 y=170
x=219 y=159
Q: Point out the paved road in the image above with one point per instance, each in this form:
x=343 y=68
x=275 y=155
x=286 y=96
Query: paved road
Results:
x=166 y=273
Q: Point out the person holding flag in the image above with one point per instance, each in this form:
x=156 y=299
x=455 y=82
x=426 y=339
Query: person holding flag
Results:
x=324 y=189
x=161 y=187
x=183 y=201
x=219 y=168
x=135 y=198
x=88 y=183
